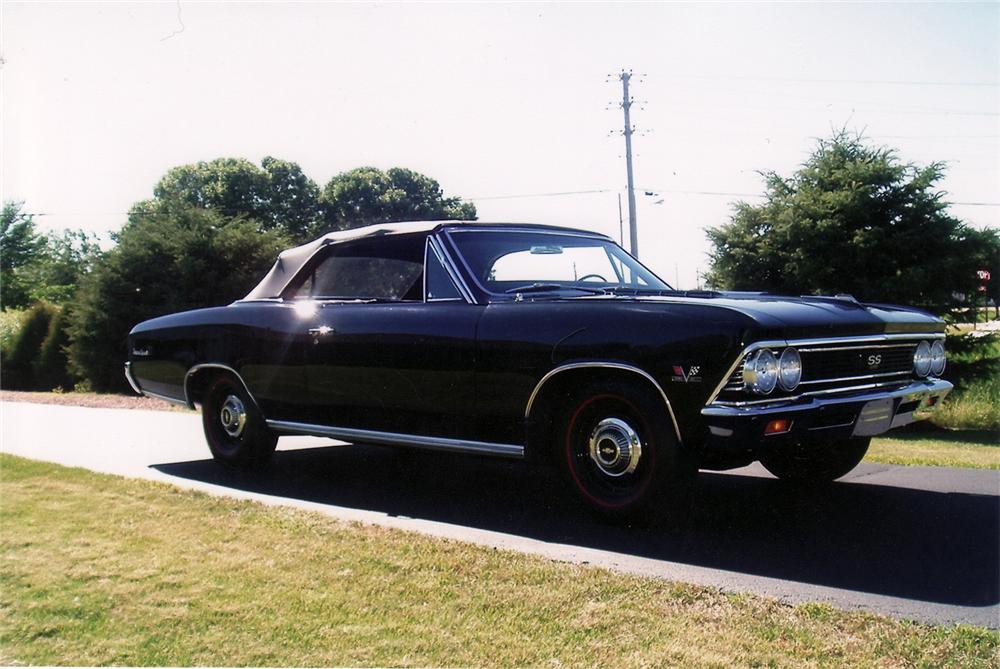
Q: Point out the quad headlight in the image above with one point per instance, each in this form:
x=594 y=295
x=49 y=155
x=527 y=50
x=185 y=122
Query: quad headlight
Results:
x=922 y=359
x=760 y=372
x=938 y=358
x=789 y=369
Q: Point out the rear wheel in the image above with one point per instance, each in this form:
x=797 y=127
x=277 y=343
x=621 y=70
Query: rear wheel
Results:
x=816 y=461
x=620 y=454
x=234 y=429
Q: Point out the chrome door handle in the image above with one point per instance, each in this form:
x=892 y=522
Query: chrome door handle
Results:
x=321 y=331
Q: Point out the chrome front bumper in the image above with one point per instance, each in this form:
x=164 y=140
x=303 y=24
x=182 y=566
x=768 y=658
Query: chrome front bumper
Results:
x=862 y=413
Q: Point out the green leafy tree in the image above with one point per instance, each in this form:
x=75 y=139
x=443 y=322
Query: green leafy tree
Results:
x=853 y=219
x=276 y=195
x=63 y=259
x=173 y=260
x=40 y=267
x=19 y=244
x=368 y=195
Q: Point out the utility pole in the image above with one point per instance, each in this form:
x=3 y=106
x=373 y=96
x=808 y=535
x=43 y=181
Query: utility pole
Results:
x=626 y=105
x=621 y=222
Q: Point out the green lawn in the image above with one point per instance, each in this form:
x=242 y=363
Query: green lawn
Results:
x=943 y=448
x=974 y=368
x=102 y=570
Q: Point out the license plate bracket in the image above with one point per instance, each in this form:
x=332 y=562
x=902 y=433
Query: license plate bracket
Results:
x=875 y=418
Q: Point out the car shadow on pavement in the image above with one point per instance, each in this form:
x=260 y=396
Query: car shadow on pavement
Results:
x=900 y=542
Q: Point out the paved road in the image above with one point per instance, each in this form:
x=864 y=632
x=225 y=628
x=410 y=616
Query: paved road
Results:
x=913 y=542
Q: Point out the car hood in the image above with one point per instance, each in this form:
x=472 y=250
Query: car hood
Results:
x=807 y=317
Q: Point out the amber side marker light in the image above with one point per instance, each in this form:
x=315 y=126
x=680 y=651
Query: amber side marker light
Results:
x=778 y=426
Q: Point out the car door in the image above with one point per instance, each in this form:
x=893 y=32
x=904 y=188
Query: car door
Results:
x=384 y=352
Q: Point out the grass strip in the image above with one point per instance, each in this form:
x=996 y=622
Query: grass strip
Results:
x=97 y=569
x=978 y=449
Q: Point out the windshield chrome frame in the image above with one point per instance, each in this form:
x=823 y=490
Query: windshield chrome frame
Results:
x=491 y=296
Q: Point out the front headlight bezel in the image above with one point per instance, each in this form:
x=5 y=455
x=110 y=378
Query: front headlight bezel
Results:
x=922 y=359
x=939 y=358
x=760 y=372
x=789 y=369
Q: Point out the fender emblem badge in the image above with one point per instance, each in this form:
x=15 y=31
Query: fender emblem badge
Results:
x=689 y=376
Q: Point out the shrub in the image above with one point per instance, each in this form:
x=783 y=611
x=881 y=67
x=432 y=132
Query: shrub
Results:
x=50 y=367
x=10 y=325
x=17 y=369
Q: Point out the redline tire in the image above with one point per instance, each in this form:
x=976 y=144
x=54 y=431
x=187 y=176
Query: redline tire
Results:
x=232 y=441
x=600 y=426
x=816 y=461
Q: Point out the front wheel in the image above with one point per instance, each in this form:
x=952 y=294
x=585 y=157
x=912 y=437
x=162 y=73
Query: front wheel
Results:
x=620 y=453
x=816 y=461
x=234 y=429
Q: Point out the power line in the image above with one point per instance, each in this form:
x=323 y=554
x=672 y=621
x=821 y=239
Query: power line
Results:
x=526 y=195
x=875 y=82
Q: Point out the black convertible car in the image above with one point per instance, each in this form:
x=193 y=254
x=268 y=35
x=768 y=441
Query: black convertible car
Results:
x=530 y=341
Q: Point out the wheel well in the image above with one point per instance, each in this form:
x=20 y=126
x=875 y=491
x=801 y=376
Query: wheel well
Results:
x=200 y=378
x=198 y=381
x=556 y=391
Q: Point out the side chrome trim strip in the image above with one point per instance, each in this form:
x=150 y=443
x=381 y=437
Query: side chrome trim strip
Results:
x=779 y=343
x=167 y=398
x=131 y=379
x=397 y=439
x=215 y=365
x=604 y=365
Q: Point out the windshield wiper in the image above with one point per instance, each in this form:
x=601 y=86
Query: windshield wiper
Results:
x=551 y=287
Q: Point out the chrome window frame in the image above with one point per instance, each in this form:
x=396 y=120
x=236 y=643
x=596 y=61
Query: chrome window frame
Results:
x=434 y=244
x=447 y=233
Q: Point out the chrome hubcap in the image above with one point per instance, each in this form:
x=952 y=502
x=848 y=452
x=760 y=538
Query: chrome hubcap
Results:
x=615 y=447
x=233 y=416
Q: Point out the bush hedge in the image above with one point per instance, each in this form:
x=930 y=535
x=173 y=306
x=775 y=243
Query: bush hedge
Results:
x=18 y=367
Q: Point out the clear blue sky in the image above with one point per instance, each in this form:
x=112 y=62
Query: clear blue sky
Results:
x=99 y=100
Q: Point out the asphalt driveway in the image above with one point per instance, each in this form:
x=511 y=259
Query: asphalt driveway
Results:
x=913 y=542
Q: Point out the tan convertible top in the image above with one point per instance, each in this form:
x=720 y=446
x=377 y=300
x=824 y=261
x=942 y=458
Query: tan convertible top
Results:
x=291 y=261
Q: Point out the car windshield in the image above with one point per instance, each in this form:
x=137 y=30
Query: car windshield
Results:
x=505 y=262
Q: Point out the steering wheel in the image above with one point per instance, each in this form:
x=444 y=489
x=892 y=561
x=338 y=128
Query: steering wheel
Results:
x=592 y=276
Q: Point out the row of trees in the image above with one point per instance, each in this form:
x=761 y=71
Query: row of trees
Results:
x=207 y=235
x=279 y=196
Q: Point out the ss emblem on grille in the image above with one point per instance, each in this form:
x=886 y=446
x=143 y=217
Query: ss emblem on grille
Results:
x=874 y=361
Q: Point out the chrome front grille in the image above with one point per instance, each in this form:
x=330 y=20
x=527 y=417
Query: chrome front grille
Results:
x=832 y=366
x=825 y=365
